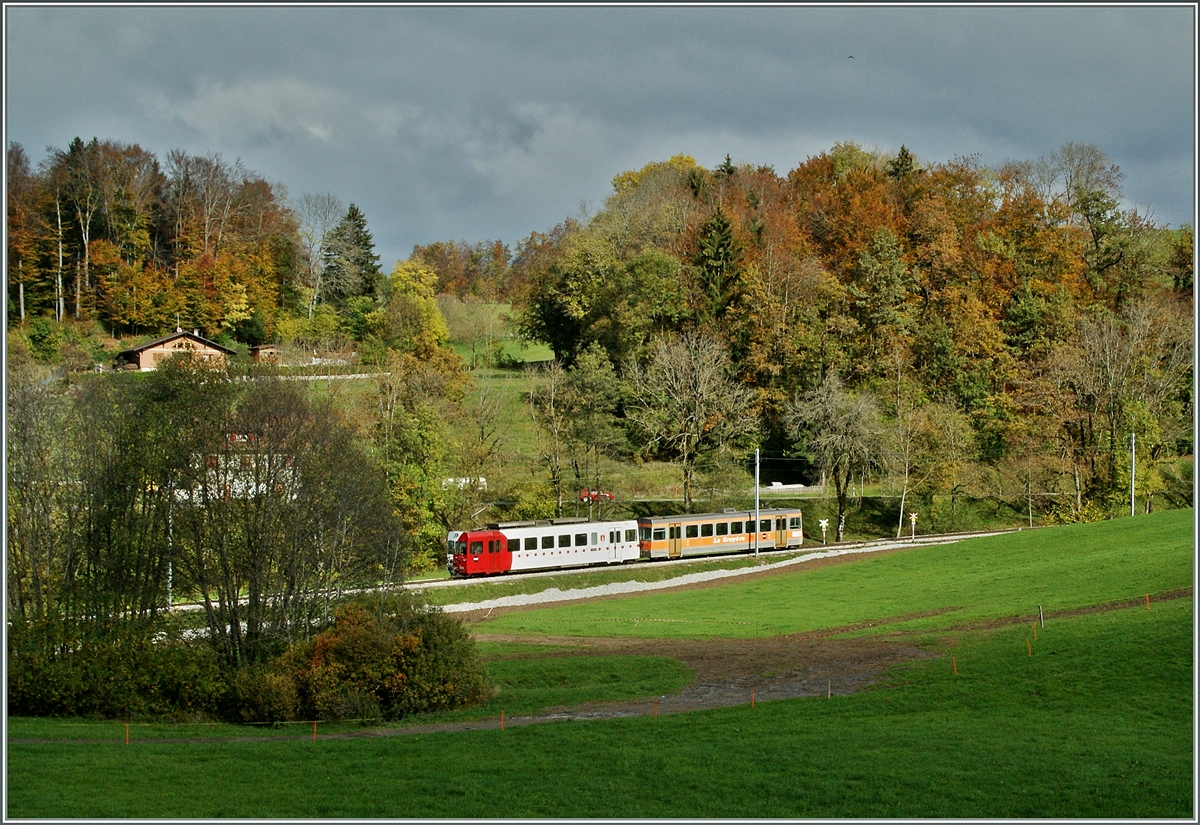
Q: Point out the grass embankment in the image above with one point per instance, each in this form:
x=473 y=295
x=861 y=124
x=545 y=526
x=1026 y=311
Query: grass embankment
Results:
x=1097 y=722
x=946 y=586
x=498 y=587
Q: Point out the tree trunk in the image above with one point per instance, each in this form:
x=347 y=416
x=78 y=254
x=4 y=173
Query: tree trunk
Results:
x=903 y=496
x=688 y=469
x=840 y=485
x=1078 y=490
x=60 y=305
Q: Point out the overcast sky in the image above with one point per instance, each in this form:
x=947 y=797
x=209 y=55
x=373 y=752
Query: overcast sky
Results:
x=492 y=122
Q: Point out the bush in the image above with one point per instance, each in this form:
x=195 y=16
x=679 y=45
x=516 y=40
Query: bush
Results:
x=125 y=672
x=45 y=338
x=385 y=657
x=260 y=694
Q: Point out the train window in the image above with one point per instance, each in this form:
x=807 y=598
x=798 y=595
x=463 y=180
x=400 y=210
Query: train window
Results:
x=630 y=535
x=547 y=542
x=476 y=548
x=675 y=531
x=514 y=545
x=765 y=525
x=660 y=533
x=494 y=546
x=531 y=543
x=612 y=535
x=564 y=541
x=735 y=528
x=593 y=541
x=706 y=529
x=796 y=523
x=722 y=528
x=780 y=524
x=692 y=530
x=581 y=539
x=645 y=533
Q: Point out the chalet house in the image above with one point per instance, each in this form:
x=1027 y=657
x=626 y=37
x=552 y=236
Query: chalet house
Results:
x=147 y=356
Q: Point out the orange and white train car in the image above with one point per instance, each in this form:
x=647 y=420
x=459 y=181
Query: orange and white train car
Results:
x=731 y=531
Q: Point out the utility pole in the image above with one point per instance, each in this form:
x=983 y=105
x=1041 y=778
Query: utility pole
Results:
x=170 y=549
x=756 y=525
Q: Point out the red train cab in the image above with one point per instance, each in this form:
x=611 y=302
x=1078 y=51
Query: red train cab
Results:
x=479 y=553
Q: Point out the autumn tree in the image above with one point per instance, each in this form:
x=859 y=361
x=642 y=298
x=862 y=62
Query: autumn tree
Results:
x=685 y=406
x=840 y=430
x=574 y=412
x=318 y=214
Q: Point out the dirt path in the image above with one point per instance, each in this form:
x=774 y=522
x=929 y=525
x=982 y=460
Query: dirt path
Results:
x=727 y=670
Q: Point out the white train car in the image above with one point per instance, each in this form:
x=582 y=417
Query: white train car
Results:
x=524 y=546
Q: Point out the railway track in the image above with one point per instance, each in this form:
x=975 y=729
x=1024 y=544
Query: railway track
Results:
x=770 y=558
x=773 y=559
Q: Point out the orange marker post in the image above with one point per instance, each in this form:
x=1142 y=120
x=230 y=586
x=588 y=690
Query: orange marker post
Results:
x=501 y=720
x=1029 y=647
x=954 y=665
x=314 y=730
x=1147 y=601
x=751 y=698
x=656 y=708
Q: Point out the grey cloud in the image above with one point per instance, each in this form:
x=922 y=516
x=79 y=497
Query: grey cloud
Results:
x=472 y=123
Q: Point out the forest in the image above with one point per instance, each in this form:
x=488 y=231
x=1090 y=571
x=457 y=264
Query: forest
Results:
x=944 y=326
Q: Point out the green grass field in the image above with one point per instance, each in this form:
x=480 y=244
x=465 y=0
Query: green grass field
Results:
x=1060 y=568
x=1093 y=719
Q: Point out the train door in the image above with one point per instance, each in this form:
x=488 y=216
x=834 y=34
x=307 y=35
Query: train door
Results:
x=499 y=558
x=781 y=537
x=494 y=557
x=675 y=537
x=487 y=559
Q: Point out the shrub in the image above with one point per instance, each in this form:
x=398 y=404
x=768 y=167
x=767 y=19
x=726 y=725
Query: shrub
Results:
x=257 y=693
x=45 y=338
x=385 y=657
x=128 y=671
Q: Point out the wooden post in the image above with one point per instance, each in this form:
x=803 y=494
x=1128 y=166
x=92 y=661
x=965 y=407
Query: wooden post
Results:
x=501 y=720
x=656 y=707
x=127 y=734
x=314 y=730
x=829 y=689
x=1147 y=601
x=1041 y=618
x=954 y=665
x=751 y=698
x=1028 y=647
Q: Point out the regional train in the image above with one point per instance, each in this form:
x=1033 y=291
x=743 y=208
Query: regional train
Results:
x=525 y=546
